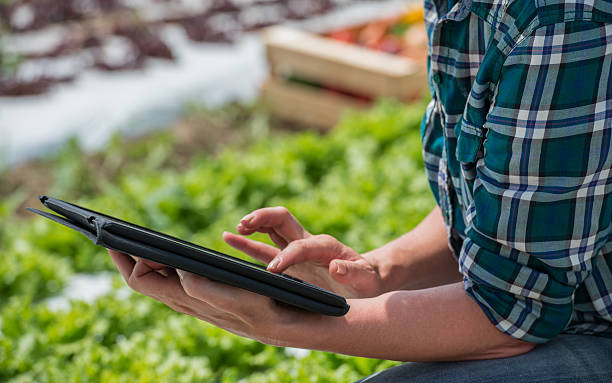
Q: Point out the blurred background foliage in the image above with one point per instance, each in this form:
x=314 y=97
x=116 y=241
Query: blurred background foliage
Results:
x=363 y=183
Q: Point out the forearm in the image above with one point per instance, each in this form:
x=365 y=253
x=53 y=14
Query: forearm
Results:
x=436 y=324
x=418 y=259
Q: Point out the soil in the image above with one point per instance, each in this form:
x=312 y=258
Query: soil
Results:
x=119 y=37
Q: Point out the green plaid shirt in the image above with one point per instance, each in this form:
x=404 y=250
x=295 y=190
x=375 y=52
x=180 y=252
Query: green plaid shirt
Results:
x=517 y=148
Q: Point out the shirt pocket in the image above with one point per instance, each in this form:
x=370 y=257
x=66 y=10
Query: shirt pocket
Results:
x=469 y=141
x=470 y=148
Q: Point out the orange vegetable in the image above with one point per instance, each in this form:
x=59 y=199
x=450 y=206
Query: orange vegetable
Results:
x=413 y=14
x=344 y=35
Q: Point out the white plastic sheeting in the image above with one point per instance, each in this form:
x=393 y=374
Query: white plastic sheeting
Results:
x=97 y=104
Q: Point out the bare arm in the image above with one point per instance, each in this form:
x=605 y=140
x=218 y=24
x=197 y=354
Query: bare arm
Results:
x=438 y=324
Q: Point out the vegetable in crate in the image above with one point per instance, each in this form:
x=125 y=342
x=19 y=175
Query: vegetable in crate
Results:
x=402 y=35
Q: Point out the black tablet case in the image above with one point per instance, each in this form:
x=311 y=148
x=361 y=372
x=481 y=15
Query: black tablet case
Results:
x=122 y=236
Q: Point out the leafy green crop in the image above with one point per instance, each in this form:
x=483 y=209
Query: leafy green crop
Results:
x=363 y=183
x=138 y=339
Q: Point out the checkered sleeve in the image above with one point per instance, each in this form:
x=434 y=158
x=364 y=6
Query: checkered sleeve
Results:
x=542 y=205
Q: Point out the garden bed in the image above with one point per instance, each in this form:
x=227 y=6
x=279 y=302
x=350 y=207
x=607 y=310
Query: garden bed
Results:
x=363 y=183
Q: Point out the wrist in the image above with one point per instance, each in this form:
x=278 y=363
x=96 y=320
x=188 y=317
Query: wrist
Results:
x=350 y=334
x=311 y=331
x=328 y=333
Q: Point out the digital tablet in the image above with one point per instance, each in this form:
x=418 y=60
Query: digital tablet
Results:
x=116 y=234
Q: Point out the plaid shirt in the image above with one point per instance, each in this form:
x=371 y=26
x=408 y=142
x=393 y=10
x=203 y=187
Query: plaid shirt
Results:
x=517 y=148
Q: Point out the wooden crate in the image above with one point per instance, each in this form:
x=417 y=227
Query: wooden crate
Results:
x=318 y=108
x=356 y=70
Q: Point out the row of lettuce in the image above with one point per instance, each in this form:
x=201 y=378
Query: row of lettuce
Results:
x=363 y=183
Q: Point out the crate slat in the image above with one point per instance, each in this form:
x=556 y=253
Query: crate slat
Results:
x=310 y=106
x=353 y=68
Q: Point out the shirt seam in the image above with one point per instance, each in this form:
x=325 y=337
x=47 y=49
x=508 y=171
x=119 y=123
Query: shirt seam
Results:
x=530 y=30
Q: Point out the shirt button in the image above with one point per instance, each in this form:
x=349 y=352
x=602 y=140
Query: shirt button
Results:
x=436 y=78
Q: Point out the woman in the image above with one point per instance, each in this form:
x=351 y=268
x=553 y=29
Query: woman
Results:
x=516 y=143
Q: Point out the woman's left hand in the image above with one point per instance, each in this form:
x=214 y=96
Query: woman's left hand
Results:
x=236 y=310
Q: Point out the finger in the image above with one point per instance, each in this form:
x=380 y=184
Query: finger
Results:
x=152 y=265
x=278 y=218
x=357 y=274
x=243 y=230
x=125 y=263
x=176 y=298
x=165 y=272
x=191 y=306
x=320 y=249
x=181 y=308
x=277 y=239
x=141 y=269
x=274 y=236
x=255 y=249
x=220 y=296
x=149 y=281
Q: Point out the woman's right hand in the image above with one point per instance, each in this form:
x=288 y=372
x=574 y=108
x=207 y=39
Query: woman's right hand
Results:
x=318 y=259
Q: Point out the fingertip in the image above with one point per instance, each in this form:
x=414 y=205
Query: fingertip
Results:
x=243 y=230
x=247 y=219
x=274 y=265
x=189 y=277
x=125 y=264
x=163 y=272
x=119 y=256
x=189 y=282
x=231 y=238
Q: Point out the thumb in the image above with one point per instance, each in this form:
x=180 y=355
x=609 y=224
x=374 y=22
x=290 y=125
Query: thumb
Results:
x=319 y=249
x=357 y=274
x=343 y=269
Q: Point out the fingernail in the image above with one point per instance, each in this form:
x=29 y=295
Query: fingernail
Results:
x=340 y=268
x=180 y=273
x=163 y=272
x=247 y=218
x=272 y=265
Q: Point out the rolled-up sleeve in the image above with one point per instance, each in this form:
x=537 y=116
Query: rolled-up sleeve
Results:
x=541 y=203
